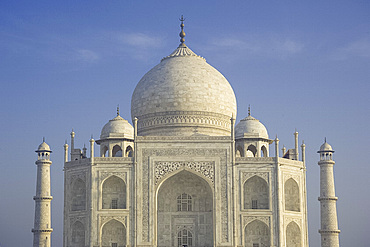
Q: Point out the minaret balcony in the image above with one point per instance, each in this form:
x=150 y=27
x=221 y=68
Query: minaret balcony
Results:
x=329 y=231
x=39 y=198
x=42 y=230
x=331 y=198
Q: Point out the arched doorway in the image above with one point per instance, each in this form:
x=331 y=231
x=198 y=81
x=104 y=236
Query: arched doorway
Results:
x=185 y=211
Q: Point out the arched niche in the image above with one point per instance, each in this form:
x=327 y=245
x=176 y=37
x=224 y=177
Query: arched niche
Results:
x=264 y=152
x=239 y=152
x=184 y=197
x=104 y=151
x=293 y=235
x=292 y=197
x=256 y=234
x=78 y=235
x=251 y=151
x=114 y=193
x=113 y=234
x=256 y=193
x=78 y=195
x=117 y=151
x=129 y=152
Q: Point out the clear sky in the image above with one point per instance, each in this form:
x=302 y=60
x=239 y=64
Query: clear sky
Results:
x=301 y=65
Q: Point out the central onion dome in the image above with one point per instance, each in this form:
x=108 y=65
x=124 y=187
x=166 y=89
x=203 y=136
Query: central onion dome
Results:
x=183 y=95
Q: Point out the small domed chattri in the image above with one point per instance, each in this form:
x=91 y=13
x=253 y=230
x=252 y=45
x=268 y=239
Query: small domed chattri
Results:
x=251 y=126
x=116 y=128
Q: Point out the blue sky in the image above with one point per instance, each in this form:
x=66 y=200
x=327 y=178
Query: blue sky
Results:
x=300 y=65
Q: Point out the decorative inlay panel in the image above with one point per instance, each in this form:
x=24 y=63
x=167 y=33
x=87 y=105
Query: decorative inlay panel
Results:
x=163 y=168
x=81 y=175
x=247 y=175
x=181 y=117
x=249 y=219
x=295 y=219
x=73 y=219
x=104 y=175
x=105 y=219
x=224 y=208
x=265 y=159
x=187 y=138
x=294 y=176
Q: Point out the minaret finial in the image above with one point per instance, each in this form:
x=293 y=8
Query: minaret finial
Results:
x=325 y=139
x=182 y=33
x=43 y=139
x=118 y=110
x=249 y=110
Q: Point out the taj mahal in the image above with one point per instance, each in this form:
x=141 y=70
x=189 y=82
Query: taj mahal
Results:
x=184 y=173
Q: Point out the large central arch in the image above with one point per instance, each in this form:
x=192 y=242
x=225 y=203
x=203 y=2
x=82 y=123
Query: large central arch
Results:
x=185 y=211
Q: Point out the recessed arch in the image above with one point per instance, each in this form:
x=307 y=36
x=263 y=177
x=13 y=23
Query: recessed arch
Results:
x=292 y=197
x=114 y=193
x=78 y=235
x=117 y=151
x=293 y=235
x=256 y=193
x=78 y=195
x=256 y=233
x=113 y=234
x=170 y=219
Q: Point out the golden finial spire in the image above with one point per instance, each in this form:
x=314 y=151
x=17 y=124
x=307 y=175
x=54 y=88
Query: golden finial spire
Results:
x=182 y=33
x=249 y=110
x=118 y=110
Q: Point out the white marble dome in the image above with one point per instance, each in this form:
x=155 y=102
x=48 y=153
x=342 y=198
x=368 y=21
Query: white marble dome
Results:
x=250 y=126
x=117 y=128
x=183 y=95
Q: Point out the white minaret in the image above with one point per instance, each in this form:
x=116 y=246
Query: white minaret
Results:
x=42 y=226
x=328 y=201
